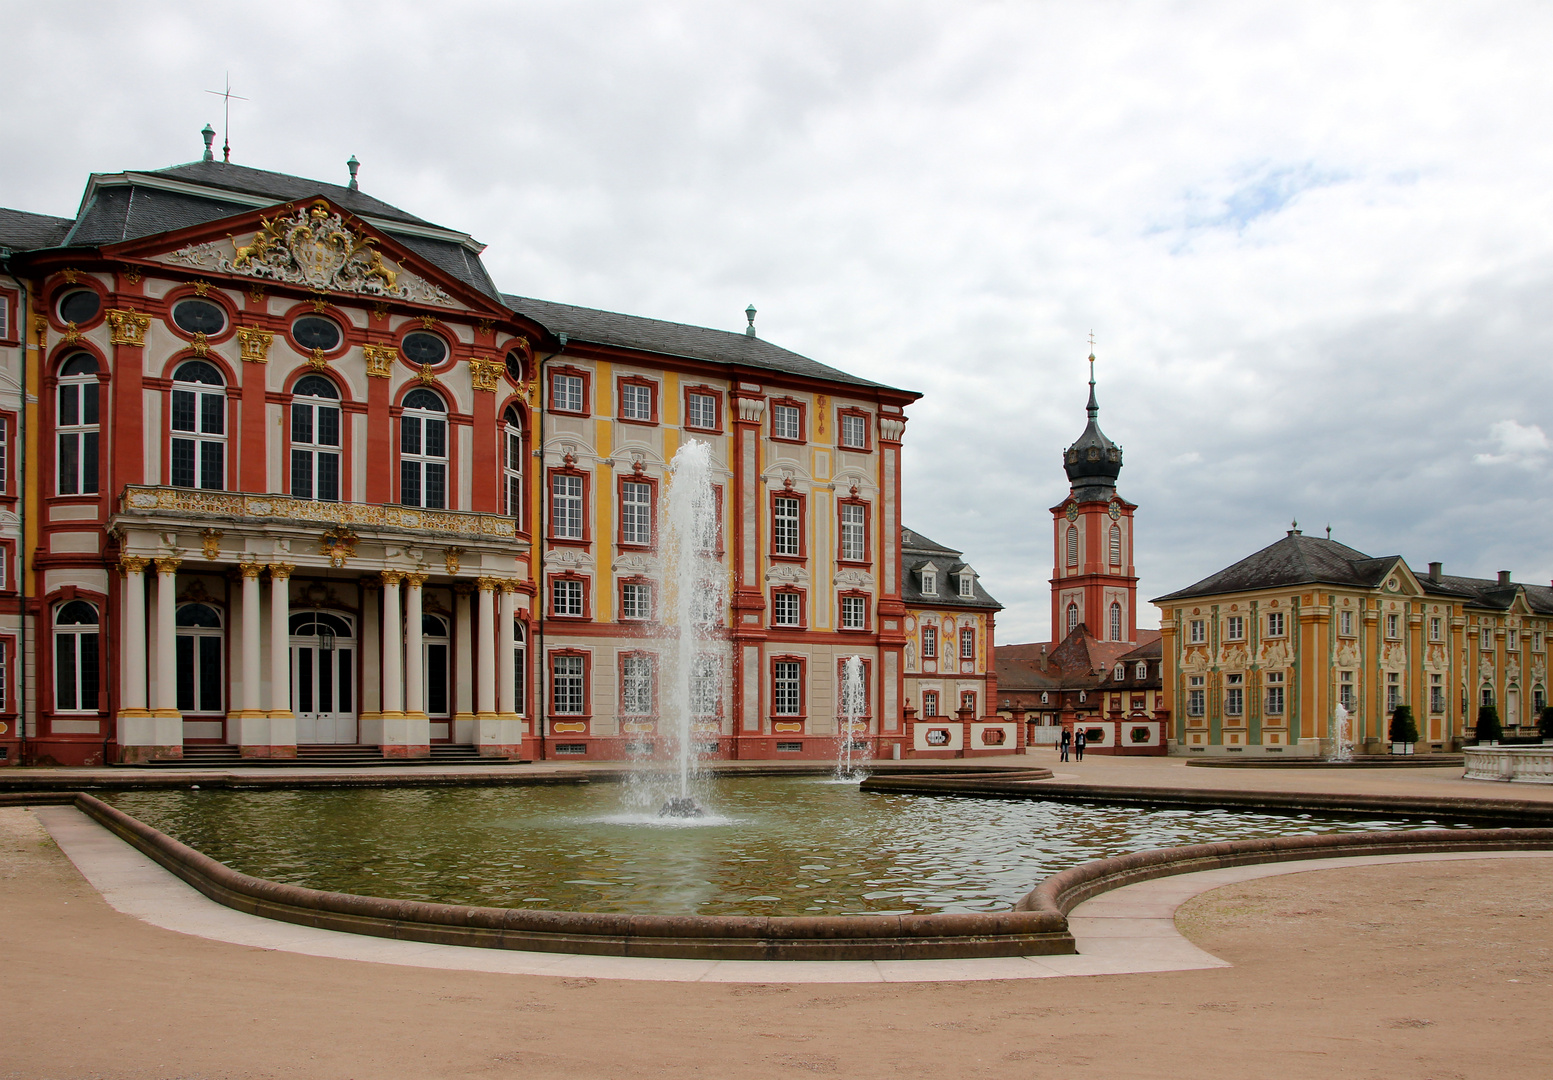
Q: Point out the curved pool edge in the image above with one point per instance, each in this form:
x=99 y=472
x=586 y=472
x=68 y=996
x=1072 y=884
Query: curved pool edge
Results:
x=1037 y=926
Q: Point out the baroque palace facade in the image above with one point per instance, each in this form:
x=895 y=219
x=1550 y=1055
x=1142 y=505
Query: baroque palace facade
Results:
x=297 y=474
x=1259 y=655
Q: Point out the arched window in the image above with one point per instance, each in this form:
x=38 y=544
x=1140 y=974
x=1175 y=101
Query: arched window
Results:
x=1072 y=617
x=518 y=653
x=1116 y=545
x=423 y=451
x=512 y=464
x=1116 y=621
x=75 y=657
x=76 y=425
x=435 y=641
x=199 y=427
x=315 y=440
x=200 y=648
x=1072 y=546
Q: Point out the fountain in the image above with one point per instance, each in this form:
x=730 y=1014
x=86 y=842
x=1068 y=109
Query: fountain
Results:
x=854 y=700
x=1342 y=737
x=695 y=581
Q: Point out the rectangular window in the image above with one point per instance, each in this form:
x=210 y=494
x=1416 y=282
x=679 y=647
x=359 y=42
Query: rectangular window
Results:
x=1275 y=693
x=636 y=685
x=77 y=463
x=1487 y=696
x=705 y=686
x=968 y=701
x=636 y=513
x=1345 y=623
x=1235 y=628
x=854 y=431
x=1486 y=639
x=1539 y=700
x=929 y=583
x=1434 y=628
x=1195 y=696
x=701 y=411
x=968 y=643
x=786 y=532
x=968 y=586
x=566 y=506
x=854 y=532
x=930 y=643
x=5 y=670
x=512 y=473
x=635 y=401
x=930 y=703
x=1235 y=695
x=566 y=393
x=566 y=696
x=566 y=597
x=1512 y=640
x=787 y=688
x=636 y=600
x=854 y=613
x=1275 y=624
x=1345 y=694
x=786 y=422
x=1437 y=693
x=1393 y=690
x=1197 y=632
x=1393 y=626
x=785 y=609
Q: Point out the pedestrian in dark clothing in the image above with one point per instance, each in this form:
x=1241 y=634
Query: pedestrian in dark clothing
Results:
x=1078 y=745
x=1067 y=741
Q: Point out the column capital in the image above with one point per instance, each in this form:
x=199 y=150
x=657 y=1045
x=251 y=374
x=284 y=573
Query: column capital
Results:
x=280 y=571
x=250 y=569
x=488 y=584
x=463 y=588
x=509 y=585
x=415 y=581
x=392 y=577
x=132 y=564
x=168 y=564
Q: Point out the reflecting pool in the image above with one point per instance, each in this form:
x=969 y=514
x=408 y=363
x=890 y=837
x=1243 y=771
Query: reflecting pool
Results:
x=769 y=846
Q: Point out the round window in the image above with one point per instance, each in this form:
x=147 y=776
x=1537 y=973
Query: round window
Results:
x=424 y=349
x=199 y=317
x=515 y=366
x=313 y=332
x=79 y=306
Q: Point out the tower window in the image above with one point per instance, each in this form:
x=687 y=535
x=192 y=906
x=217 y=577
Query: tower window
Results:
x=1116 y=545
x=1072 y=617
x=1116 y=621
x=1072 y=546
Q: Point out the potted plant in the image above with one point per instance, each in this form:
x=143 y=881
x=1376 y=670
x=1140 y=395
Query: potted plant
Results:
x=1404 y=732
x=1545 y=725
x=1488 y=729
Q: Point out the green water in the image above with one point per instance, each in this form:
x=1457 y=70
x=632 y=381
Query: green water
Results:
x=772 y=846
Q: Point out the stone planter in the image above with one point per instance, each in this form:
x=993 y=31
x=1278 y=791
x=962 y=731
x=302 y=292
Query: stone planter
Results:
x=1401 y=748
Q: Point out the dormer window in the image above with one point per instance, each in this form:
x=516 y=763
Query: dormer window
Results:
x=967 y=584
x=1120 y=673
x=929 y=582
x=1143 y=670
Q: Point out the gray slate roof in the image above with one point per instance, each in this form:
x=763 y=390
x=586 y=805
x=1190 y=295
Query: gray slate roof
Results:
x=917 y=550
x=674 y=339
x=22 y=231
x=283 y=187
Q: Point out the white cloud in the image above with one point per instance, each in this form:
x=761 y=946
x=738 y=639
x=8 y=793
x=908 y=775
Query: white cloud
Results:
x=1523 y=445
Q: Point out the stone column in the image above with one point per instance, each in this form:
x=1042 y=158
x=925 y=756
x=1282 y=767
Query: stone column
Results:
x=498 y=732
x=136 y=728
x=463 y=665
x=485 y=659
x=167 y=721
x=393 y=648
x=506 y=642
x=250 y=721
x=414 y=649
x=406 y=731
x=371 y=715
x=283 y=722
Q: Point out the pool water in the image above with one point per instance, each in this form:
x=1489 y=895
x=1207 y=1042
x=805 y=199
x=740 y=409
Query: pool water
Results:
x=769 y=846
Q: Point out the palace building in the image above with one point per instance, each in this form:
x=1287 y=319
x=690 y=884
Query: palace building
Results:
x=1098 y=672
x=1259 y=656
x=298 y=475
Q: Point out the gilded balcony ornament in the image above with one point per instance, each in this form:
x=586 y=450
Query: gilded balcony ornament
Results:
x=210 y=542
x=132 y=564
x=450 y=559
x=201 y=287
x=339 y=543
x=316 y=360
x=200 y=344
x=483 y=374
x=280 y=571
x=255 y=344
x=168 y=564
x=129 y=327
x=380 y=360
x=425 y=376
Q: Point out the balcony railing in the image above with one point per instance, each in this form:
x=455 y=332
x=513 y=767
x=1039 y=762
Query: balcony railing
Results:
x=140 y=500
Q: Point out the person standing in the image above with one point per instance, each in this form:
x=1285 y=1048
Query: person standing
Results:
x=1078 y=744
x=1065 y=742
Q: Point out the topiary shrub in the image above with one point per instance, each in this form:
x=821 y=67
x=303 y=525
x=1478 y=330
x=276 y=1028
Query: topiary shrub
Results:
x=1403 y=728
x=1488 y=729
x=1545 y=723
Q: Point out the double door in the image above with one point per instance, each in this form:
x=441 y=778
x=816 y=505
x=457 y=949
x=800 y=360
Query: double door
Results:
x=323 y=677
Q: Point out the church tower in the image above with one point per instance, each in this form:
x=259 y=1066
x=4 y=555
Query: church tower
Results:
x=1093 y=580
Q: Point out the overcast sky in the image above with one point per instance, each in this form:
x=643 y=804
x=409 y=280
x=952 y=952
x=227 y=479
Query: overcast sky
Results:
x=1313 y=242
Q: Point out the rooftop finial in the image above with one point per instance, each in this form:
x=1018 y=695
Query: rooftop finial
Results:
x=210 y=137
x=1329 y=532
x=1094 y=406
x=749 y=313
x=1294 y=527
x=226 y=122
x=353 y=165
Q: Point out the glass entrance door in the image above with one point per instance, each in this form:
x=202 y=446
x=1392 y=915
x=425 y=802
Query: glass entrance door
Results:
x=323 y=673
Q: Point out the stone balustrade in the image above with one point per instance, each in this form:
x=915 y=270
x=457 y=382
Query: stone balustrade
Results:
x=146 y=500
x=1521 y=764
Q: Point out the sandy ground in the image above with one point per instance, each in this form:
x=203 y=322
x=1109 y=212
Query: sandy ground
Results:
x=1435 y=970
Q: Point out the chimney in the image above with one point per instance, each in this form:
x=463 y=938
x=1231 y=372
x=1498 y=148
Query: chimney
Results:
x=1504 y=578
x=1435 y=570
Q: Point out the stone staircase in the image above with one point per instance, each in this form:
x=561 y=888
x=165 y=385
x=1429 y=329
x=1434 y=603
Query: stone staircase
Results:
x=321 y=757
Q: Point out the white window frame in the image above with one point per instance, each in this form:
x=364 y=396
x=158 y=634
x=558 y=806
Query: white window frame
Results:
x=786 y=422
x=929 y=582
x=787 y=525
x=636 y=512
x=77 y=633
x=422 y=430
x=1345 y=623
x=567 y=674
x=786 y=608
x=1436 y=626
x=1235 y=628
x=310 y=416
x=929 y=642
x=1275 y=624
x=204 y=439
x=1345 y=690
x=638 y=682
x=82 y=393
x=566 y=510
x=1274 y=693
x=1116 y=620
x=635 y=401
x=566 y=597
x=701 y=411
x=967 y=638
x=854 y=532
x=1196 y=632
x=786 y=688
x=566 y=392
x=854 y=431
x=636 y=601
x=1235 y=695
x=512 y=468
x=854 y=613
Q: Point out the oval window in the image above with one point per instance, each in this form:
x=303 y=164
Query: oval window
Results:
x=199 y=317
x=313 y=332
x=79 y=306
x=424 y=349
x=515 y=366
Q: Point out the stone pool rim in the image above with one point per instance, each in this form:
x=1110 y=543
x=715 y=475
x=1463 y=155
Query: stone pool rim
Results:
x=1037 y=926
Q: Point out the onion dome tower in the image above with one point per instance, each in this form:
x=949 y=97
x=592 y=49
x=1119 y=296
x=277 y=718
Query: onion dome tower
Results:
x=1093 y=581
